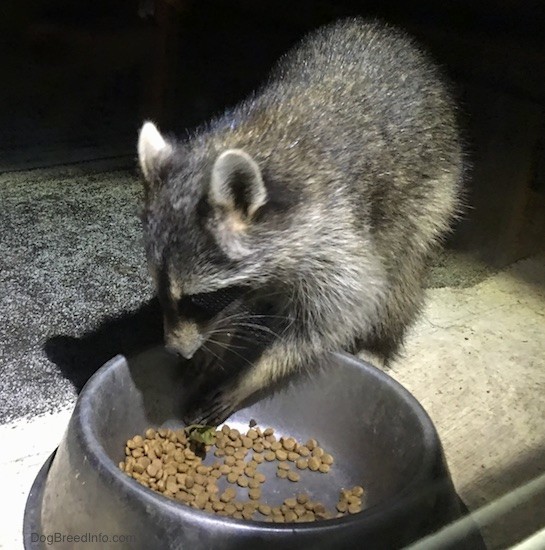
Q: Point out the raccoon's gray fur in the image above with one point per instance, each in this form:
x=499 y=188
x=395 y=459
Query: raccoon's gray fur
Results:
x=326 y=190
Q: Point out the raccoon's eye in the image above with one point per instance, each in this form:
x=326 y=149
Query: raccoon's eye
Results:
x=204 y=306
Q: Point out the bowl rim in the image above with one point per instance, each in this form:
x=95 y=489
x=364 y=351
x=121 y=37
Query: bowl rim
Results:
x=376 y=514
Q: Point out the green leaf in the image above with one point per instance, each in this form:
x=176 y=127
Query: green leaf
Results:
x=201 y=433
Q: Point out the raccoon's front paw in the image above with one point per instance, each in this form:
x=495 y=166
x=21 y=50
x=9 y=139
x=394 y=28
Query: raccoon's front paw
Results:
x=215 y=408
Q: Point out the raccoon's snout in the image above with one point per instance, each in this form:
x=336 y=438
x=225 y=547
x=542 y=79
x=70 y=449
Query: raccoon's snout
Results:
x=185 y=351
x=184 y=340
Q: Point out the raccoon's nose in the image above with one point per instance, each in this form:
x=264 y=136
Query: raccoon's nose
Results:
x=185 y=349
x=186 y=353
x=184 y=338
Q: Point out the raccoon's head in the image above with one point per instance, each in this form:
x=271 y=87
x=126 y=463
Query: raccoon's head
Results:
x=205 y=229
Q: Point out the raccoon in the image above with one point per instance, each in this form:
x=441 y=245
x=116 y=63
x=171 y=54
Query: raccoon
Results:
x=306 y=213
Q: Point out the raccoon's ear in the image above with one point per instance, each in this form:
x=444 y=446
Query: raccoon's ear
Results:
x=237 y=185
x=152 y=151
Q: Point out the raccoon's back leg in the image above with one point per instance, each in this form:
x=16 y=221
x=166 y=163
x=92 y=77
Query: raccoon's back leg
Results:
x=383 y=340
x=377 y=352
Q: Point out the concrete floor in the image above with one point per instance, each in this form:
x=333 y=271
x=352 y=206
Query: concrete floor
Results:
x=475 y=360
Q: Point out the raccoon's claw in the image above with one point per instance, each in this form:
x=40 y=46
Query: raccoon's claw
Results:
x=215 y=410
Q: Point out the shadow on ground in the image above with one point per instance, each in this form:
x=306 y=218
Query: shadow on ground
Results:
x=130 y=333
x=127 y=334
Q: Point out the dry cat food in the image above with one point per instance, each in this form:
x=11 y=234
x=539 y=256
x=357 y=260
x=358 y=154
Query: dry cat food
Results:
x=172 y=463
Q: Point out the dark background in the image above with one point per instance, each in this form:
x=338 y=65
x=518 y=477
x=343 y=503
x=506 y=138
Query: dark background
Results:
x=78 y=78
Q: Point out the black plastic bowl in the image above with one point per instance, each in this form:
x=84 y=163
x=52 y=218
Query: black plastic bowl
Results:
x=380 y=436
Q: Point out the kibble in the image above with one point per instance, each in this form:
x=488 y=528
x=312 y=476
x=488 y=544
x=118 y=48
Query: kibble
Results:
x=317 y=452
x=299 y=509
x=281 y=454
x=303 y=451
x=242 y=481
x=327 y=459
x=342 y=506
x=258 y=458
x=350 y=500
x=230 y=508
x=290 y=516
x=170 y=462
x=357 y=491
x=293 y=476
x=254 y=494
x=250 y=469
x=217 y=506
x=290 y=502
x=260 y=477
x=247 y=513
x=230 y=493
x=232 y=477
x=288 y=443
